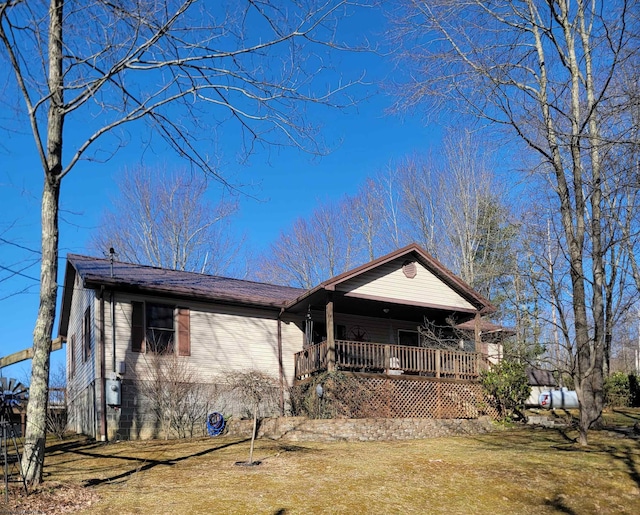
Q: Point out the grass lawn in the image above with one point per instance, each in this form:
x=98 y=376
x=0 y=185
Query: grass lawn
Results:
x=521 y=470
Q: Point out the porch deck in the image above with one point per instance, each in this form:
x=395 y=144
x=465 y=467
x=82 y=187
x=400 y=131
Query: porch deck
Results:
x=390 y=359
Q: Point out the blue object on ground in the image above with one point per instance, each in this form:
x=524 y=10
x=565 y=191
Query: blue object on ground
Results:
x=215 y=423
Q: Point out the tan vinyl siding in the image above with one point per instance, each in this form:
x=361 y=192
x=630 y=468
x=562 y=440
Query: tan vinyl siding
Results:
x=240 y=340
x=123 y=332
x=80 y=394
x=81 y=411
x=389 y=282
x=292 y=342
x=223 y=339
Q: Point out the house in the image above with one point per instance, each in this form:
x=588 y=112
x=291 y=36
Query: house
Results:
x=403 y=324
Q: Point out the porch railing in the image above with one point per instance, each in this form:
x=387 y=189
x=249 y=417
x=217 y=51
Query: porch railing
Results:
x=390 y=359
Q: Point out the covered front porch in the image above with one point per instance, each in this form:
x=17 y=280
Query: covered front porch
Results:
x=401 y=316
x=390 y=359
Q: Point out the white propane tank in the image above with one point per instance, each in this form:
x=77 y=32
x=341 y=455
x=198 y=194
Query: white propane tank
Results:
x=564 y=399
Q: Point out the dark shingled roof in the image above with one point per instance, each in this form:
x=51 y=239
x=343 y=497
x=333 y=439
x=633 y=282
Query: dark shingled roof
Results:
x=95 y=272
x=485 y=326
x=539 y=377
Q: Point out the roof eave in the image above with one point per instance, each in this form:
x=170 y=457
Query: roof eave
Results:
x=483 y=305
x=67 y=291
x=95 y=282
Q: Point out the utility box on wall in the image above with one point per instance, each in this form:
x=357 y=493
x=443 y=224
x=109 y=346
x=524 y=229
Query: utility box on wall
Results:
x=113 y=392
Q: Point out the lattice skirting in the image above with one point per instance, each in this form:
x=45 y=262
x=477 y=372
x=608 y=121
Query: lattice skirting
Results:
x=360 y=396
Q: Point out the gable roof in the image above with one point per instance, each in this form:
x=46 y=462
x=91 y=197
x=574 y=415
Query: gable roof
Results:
x=127 y=276
x=417 y=253
x=96 y=272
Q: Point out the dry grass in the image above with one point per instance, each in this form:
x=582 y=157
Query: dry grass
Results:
x=523 y=470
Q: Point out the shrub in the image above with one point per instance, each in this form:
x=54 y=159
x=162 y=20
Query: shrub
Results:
x=634 y=390
x=507 y=389
x=617 y=390
x=176 y=396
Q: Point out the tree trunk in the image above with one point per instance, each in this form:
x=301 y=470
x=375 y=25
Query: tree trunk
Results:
x=35 y=434
x=592 y=368
x=36 y=430
x=253 y=432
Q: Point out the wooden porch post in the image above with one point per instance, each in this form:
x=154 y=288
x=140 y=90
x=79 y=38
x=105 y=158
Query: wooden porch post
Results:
x=387 y=358
x=477 y=333
x=331 y=341
x=280 y=363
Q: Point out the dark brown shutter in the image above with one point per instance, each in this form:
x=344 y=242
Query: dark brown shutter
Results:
x=184 y=332
x=137 y=327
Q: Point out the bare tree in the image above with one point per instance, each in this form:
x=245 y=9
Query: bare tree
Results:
x=473 y=213
x=177 y=396
x=57 y=412
x=314 y=250
x=366 y=214
x=420 y=191
x=254 y=388
x=291 y=258
x=185 y=68
x=544 y=71
x=163 y=219
x=392 y=237
x=454 y=205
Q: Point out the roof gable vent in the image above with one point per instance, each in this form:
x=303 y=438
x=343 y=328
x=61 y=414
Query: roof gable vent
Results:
x=409 y=269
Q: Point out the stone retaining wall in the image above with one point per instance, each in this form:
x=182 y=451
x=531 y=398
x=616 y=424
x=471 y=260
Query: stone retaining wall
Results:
x=301 y=429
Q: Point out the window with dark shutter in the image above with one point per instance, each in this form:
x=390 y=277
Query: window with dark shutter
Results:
x=184 y=332
x=137 y=326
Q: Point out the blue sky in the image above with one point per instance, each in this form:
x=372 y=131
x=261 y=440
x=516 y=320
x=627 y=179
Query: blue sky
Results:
x=287 y=183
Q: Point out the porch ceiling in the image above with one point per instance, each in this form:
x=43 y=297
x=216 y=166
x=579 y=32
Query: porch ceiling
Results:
x=375 y=308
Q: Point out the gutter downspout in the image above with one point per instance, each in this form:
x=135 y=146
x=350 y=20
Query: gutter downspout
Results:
x=112 y=253
x=280 y=363
x=113 y=333
x=101 y=378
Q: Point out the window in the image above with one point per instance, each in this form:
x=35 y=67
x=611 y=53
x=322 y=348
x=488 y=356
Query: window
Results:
x=86 y=334
x=409 y=338
x=159 y=328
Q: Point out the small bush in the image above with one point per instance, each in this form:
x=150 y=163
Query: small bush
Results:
x=617 y=390
x=634 y=390
x=57 y=422
x=507 y=388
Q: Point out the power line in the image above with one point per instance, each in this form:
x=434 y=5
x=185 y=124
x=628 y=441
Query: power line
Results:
x=3 y=240
x=15 y=272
